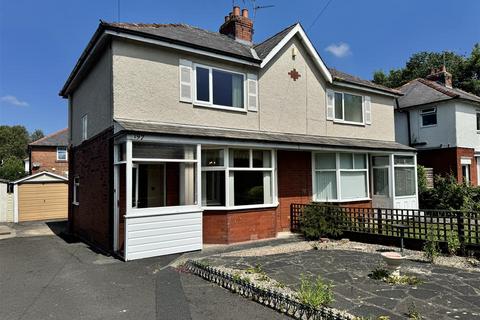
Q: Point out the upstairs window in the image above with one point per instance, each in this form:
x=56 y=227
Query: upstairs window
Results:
x=84 y=127
x=219 y=88
x=478 y=121
x=62 y=154
x=429 y=117
x=348 y=108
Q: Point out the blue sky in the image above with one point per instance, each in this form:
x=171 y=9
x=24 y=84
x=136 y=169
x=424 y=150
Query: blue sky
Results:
x=40 y=41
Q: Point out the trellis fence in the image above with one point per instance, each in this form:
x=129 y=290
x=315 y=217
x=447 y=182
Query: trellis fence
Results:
x=416 y=224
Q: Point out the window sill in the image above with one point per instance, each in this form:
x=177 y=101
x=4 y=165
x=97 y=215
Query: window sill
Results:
x=360 y=124
x=429 y=126
x=342 y=200
x=158 y=211
x=215 y=107
x=231 y=208
x=406 y=197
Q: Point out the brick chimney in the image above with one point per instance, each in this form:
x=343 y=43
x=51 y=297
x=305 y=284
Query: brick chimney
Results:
x=442 y=76
x=238 y=26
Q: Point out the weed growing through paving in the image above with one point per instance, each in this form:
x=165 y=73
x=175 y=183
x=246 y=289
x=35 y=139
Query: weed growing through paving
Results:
x=385 y=275
x=431 y=248
x=453 y=243
x=315 y=292
x=413 y=313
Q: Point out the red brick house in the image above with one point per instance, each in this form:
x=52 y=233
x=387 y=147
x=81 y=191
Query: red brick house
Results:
x=49 y=154
x=443 y=124
x=181 y=136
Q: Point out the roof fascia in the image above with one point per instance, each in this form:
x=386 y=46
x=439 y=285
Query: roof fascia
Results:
x=365 y=88
x=310 y=48
x=38 y=174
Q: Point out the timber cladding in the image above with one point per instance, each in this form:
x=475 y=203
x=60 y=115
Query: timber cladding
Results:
x=42 y=201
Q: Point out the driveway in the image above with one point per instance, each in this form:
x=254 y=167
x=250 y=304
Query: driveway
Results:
x=44 y=277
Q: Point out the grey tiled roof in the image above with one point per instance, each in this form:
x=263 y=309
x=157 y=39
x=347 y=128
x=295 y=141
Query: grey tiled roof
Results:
x=58 y=139
x=189 y=36
x=264 y=48
x=345 y=77
x=421 y=91
x=261 y=136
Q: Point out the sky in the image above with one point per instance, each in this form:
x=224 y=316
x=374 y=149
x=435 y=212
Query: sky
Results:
x=40 y=41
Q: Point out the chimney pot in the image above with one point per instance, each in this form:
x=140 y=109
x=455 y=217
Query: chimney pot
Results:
x=236 y=11
x=245 y=13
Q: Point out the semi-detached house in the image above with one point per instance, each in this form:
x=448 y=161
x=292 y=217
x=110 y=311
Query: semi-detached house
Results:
x=181 y=136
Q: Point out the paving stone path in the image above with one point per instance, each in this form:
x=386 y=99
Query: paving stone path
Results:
x=445 y=293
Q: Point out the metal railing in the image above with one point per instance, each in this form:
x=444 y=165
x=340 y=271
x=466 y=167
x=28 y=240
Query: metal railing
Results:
x=416 y=224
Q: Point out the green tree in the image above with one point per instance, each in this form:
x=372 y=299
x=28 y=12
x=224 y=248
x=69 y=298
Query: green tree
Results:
x=12 y=169
x=465 y=70
x=37 y=134
x=13 y=142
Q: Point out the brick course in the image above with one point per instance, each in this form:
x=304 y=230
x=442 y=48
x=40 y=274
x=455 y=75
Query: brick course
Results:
x=46 y=156
x=92 y=219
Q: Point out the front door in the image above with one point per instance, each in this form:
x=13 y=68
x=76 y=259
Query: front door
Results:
x=381 y=196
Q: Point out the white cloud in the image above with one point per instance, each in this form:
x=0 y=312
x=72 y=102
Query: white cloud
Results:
x=12 y=100
x=339 y=50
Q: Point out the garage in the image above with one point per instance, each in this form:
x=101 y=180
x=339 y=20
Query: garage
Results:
x=42 y=196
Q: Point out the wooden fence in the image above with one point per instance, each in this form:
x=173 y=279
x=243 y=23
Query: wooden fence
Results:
x=389 y=222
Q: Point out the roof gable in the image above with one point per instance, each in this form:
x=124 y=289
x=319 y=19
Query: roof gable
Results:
x=43 y=176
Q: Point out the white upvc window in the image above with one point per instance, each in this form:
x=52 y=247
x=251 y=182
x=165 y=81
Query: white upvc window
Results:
x=62 y=154
x=428 y=117
x=76 y=188
x=348 y=108
x=219 y=88
x=405 y=176
x=340 y=176
x=478 y=121
x=84 y=127
x=238 y=178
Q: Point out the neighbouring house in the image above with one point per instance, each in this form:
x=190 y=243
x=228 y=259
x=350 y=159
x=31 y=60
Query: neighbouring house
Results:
x=443 y=124
x=49 y=154
x=181 y=136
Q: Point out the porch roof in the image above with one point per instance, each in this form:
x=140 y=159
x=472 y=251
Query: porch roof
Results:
x=260 y=136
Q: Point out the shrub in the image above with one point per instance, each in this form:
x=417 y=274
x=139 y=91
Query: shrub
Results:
x=322 y=221
x=453 y=243
x=315 y=292
x=431 y=248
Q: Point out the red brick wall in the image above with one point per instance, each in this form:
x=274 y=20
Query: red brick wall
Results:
x=92 y=219
x=47 y=158
x=448 y=160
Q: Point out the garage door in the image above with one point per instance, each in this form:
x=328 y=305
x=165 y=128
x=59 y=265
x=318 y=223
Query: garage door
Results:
x=42 y=201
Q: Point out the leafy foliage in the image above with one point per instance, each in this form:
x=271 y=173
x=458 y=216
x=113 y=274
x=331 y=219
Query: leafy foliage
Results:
x=315 y=292
x=422 y=179
x=12 y=169
x=431 y=249
x=37 y=134
x=13 y=142
x=322 y=221
x=465 y=70
x=453 y=243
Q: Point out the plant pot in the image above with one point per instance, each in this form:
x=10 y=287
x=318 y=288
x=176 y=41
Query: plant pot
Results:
x=393 y=260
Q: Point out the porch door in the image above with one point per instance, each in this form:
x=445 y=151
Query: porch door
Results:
x=381 y=196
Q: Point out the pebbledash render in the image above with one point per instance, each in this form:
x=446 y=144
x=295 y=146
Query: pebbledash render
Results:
x=181 y=136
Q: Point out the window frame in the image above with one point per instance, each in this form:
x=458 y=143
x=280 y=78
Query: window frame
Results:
x=210 y=104
x=227 y=168
x=477 y=114
x=85 y=127
x=401 y=165
x=383 y=166
x=428 y=112
x=336 y=120
x=76 y=186
x=338 y=170
x=66 y=154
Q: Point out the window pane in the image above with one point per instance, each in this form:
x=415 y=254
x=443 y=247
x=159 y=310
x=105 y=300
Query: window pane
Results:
x=353 y=108
x=404 y=160
x=404 y=181
x=62 y=153
x=346 y=161
x=163 y=151
x=203 y=84
x=380 y=181
x=338 y=106
x=212 y=157
x=151 y=186
x=251 y=187
x=227 y=89
x=326 y=184
x=478 y=121
x=134 y=187
x=380 y=161
x=325 y=161
x=429 y=119
x=261 y=158
x=360 y=161
x=353 y=184
x=121 y=149
x=213 y=188
x=240 y=158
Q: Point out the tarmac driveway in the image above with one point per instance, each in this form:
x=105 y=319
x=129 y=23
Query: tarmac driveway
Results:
x=44 y=277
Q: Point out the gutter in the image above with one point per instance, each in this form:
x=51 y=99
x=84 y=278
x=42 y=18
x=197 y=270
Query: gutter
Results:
x=353 y=85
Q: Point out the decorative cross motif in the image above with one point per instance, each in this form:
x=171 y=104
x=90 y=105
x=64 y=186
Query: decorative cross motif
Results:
x=294 y=74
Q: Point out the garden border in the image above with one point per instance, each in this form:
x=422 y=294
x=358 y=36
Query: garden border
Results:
x=277 y=301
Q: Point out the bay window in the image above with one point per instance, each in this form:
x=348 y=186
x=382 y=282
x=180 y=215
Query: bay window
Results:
x=340 y=176
x=237 y=177
x=405 y=176
x=219 y=88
